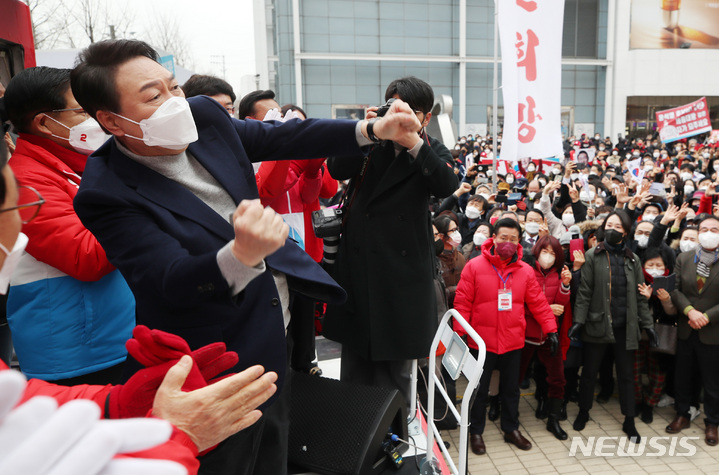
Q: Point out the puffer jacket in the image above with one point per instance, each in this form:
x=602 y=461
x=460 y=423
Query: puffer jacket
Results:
x=70 y=311
x=555 y=292
x=477 y=300
x=594 y=298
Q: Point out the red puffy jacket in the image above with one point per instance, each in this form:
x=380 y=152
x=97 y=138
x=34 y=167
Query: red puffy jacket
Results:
x=477 y=300
x=555 y=293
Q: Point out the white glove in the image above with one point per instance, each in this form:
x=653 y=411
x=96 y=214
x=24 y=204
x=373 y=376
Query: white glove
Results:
x=273 y=114
x=38 y=438
x=291 y=114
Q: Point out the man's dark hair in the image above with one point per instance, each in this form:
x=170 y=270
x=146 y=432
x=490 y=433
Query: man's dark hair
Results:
x=292 y=107
x=93 y=79
x=204 y=85
x=247 y=104
x=415 y=92
x=536 y=210
x=35 y=90
x=705 y=217
x=507 y=223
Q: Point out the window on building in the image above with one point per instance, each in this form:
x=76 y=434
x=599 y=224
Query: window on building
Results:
x=581 y=24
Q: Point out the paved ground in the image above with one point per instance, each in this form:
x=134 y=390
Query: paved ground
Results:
x=549 y=455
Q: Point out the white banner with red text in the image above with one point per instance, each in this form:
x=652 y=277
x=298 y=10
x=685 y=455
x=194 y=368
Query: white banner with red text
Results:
x=530 y=35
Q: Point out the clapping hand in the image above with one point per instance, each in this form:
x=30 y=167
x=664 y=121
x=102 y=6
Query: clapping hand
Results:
x=645 y=290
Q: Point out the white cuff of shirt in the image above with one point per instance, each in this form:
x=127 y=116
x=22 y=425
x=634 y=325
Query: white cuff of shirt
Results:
x=414 y=151
x=362 y=141
x=237 y=274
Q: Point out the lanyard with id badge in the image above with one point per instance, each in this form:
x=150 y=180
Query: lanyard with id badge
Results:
x=504 y=300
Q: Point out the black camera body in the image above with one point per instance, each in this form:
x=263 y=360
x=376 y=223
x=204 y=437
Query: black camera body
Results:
x=385 y=107
x=327 y=222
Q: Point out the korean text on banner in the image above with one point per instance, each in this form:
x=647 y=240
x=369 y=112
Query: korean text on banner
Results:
x=530 y=35
x=685 y=121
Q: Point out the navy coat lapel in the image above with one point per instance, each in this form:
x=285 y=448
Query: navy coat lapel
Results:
x=169 y=194
x=224 y=164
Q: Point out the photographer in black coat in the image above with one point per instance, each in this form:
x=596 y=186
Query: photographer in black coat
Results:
x=386 y=258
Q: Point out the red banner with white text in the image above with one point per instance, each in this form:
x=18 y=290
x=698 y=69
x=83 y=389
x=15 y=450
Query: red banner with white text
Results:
x=685 y=121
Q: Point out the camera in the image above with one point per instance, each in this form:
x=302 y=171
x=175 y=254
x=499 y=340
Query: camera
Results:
x=385 y=107
x=327 y=222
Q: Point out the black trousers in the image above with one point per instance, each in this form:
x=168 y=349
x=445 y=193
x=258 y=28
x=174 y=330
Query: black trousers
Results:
x=508 y=366
x=692 y=353
x=261 y=448
x=624 y=362
x=302 y=330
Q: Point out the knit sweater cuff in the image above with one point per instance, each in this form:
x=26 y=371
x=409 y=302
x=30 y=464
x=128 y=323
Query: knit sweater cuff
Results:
x=235 y=272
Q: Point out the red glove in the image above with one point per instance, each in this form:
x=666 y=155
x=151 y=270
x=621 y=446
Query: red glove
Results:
x=159 y=351
x=153 y=347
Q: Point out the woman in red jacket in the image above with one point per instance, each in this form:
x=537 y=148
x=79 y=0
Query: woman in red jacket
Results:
x=491 y=296
x=554 y=278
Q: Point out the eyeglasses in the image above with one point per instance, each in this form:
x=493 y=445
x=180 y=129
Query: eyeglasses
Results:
x=79 y=110
x=29 y=203
x=231 y=110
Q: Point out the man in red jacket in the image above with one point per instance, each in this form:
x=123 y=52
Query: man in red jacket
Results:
x=491 y=296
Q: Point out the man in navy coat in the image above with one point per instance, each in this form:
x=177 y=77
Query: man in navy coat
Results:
x=173 y=201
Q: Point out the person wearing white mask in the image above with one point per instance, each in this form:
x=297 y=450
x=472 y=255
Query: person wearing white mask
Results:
x=451 y=259
x=38 y=438
x=63 y=261
x=657 y=263
x=696 y=298
x=688 y=240
x=532 y=223
x=205 y=260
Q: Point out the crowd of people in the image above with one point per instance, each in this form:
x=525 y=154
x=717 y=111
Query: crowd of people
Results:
x=167 y=263
x=595 y=235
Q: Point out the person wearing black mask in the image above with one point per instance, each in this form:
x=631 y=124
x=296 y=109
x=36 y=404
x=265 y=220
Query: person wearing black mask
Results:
x=609 y=314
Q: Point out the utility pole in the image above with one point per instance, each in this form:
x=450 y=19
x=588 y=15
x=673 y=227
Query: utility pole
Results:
x=112 y=32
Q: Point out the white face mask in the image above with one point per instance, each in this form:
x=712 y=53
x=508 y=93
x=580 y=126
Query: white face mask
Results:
x=556 y=171
x=531 y=194
x=530 y=168
x=170 y=126
x=472 y=212
x=509 y=180
x=654 y=272
x=687 y=245
x=479 y=239
x=648 y=168
x=685 y=176
x=567 y=219
x=586 y=196
x=542 y=183
x=455 y=239
x=656 y=154
x=11 y=261
x=706 y=155
x=85 y=137
x=531 y=228
x=709 y=240
x=546 y=260
x=643 y=241
x=688 y=190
